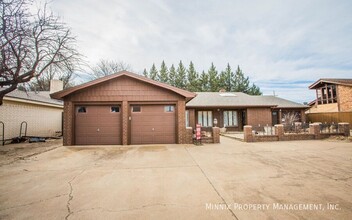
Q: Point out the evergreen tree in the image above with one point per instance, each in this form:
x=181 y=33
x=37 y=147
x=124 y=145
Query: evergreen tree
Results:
x=241 y=83
x=172 y=75
x=193 y=84
x=163 y=73
x=145 y=73
x=153 y=73
x=204 y=80
x=181 y=80
x=213 y=79
x=225 y=79
x=254 y=90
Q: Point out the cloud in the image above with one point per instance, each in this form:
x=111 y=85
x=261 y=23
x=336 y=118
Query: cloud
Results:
x=272 y=41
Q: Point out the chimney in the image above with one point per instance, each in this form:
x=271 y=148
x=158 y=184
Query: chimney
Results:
x=56 y=85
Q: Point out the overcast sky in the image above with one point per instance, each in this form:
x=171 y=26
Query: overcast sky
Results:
x=283 y=46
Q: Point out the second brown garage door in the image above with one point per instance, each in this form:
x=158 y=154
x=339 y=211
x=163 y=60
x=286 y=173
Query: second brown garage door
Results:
x=96 y=125
x=153 y=124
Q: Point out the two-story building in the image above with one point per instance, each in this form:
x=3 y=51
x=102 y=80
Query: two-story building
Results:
x=332 y=95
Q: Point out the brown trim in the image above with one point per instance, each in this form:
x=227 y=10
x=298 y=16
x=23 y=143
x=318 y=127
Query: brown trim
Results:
x=332 y=81
x=61 y=94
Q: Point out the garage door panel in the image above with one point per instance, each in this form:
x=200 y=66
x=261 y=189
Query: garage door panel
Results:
x=152 y=125
x=98 y=125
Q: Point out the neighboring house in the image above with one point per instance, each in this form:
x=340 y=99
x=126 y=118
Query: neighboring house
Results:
x=42 y=114
x=124 y=108
x=233 y=110
x=332 y=95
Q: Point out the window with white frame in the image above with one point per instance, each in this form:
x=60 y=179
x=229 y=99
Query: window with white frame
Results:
x=230 y=118
x=205 y=118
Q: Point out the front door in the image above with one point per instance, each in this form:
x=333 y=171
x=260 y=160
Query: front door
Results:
x=275 y=117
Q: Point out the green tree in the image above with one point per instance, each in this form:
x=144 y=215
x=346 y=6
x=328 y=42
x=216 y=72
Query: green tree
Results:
x=163 y=73
x=181 y=80
x=241 y=83
x=226 y=79
x=153 y=73
x=145 y=73
x=254 y=90
x=213 y=78
x=204 y=80
x=193 y=83
x=172 y=75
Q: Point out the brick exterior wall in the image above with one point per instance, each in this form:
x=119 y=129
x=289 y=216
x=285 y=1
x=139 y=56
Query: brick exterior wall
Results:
x=189 y=135
x=68 y=124
x=125 y=91
x=314 y=133
x=181 y=125
x=344 y=98
x=41 y=120
x=260 y=116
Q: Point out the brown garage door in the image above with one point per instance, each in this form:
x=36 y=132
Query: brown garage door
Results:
x=97 y=125
x=153 y=124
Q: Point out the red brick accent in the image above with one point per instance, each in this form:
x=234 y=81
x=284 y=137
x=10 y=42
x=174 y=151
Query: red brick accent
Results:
x=181 y=118
x=314 y=129
x=189 y=135
x=279 y=131
x=68 y=123
x=216 y=135
x=248 y=135
x=125 y=122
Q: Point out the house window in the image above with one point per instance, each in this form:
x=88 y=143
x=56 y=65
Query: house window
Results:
x=115 y=109
x=187 y=118
x=230 y=118
x=205 y=118
x=136 y=108
x=81 y=109
x=169 y=108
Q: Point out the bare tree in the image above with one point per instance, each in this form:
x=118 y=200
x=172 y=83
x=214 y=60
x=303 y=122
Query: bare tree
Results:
x=31 y=43
x=42 y=83
x=108 y=67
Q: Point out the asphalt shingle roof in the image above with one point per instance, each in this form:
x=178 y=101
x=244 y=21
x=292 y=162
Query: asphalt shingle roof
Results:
x=41 y=97
x=239 y=99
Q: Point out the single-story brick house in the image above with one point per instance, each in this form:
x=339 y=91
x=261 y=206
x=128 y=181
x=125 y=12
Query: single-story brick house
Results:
x=124 y=108
x=42 y=114
x=233 y=110
x=127 y=108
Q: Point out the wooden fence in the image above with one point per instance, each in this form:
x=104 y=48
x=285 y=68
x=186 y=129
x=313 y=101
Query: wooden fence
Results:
x=335 y=117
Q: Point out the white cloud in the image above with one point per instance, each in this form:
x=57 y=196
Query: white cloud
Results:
x=270 y=40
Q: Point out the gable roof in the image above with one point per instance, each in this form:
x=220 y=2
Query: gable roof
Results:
x=41 y=97
x=61 y=94
x=345 y=82
x=239 y=99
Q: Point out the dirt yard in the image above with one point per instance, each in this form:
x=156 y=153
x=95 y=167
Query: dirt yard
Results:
x=231 y=180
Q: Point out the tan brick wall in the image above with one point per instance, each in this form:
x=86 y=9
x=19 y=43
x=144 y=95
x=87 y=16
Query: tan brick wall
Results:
x=260 y=116
x=344 y=98
x=42 y=120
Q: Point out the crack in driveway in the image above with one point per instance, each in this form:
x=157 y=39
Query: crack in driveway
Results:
x=70 y=195
x=32 y=203
x=132 y=209
x=222 y=198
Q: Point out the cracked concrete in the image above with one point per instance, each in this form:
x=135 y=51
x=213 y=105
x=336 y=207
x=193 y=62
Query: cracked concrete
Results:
x=177 y=181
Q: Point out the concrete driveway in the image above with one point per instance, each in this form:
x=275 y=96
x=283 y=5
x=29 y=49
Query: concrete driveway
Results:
x=231 y=180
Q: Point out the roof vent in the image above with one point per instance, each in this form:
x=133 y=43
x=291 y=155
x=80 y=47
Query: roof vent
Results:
x=227 y=95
